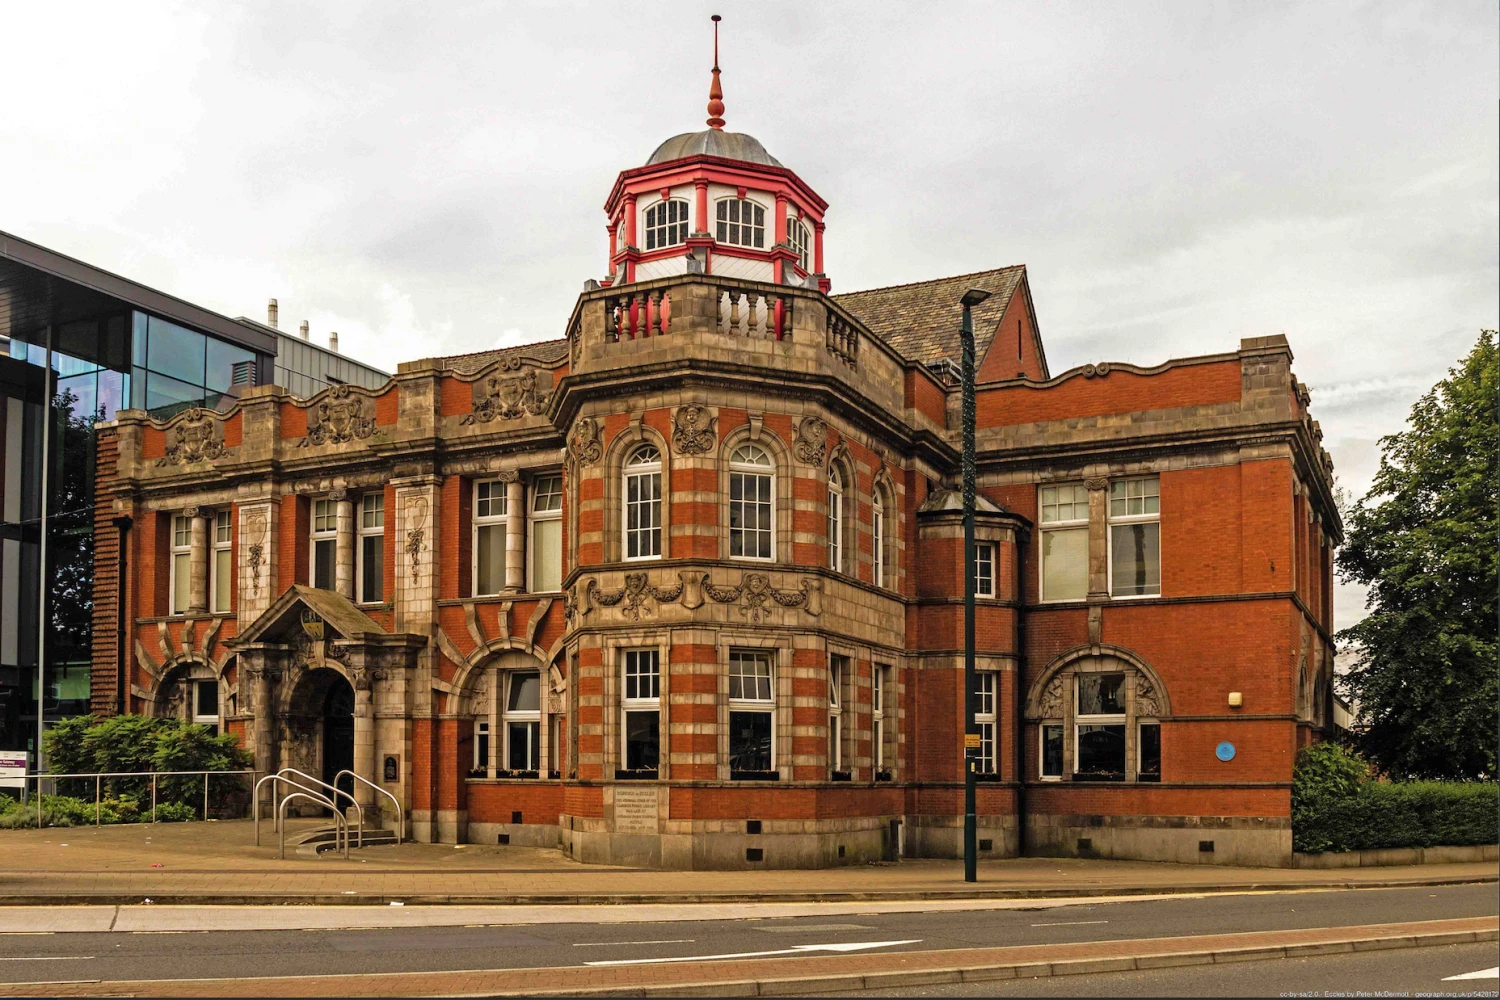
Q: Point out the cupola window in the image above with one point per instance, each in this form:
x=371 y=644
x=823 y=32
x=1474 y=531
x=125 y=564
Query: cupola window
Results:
x=796 y=235
x=666 y=223
x=741 y=222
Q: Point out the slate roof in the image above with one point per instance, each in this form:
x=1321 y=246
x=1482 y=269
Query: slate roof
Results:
x=921 y=320
x=546 y=351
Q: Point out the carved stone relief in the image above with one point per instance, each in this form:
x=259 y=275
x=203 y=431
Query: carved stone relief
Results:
x=197 y=438
x=812 y=441
x=416 y=534
x=1146 y=702
x=339 y=417
x=257 y=526
x=693 y=430
x=585 y=445
x=1050 y=706
x=508 y=396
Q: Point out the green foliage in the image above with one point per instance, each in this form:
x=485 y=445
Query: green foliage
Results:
x=1337 y=806
x=175 y=812
x=1423 y=540
x=57 y=810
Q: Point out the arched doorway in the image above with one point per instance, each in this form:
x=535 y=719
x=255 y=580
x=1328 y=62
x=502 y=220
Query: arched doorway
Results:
x=338 y=733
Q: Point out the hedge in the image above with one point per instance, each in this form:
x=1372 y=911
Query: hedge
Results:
x=1338 y=806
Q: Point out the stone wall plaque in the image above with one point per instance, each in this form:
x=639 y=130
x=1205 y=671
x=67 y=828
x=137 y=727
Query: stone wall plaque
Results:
x=635 y=809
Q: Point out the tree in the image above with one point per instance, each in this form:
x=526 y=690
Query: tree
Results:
x=1424 y=540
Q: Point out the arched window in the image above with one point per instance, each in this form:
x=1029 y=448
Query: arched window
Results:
x=877 y=538
x=642 y=492
x=796 y=235
x=666 y=223
x=835 y=519
x=1098 y=717
x=741 y=222
x=751 y=504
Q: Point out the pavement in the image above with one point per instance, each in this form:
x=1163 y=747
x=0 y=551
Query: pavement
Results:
x=219 y=863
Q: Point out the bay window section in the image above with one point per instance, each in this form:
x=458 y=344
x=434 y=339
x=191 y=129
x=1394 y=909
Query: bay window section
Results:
x=523 y=722
x=984 y=715
x=643 y=504
x=325 y=522
x=1100 y=728
x=1065 y=543
x=751 y=716
x=546 y=535
x=222 y=572
x=371 y=552
x=751 y=514
x=984 y=569
x=641 y=708
x=181 y=581
x=1135 y=537
x=490 y=515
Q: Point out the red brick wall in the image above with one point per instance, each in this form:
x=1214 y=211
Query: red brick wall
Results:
x=1118 y=392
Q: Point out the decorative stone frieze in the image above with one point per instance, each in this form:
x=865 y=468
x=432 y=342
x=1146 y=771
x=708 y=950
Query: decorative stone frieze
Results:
x=504 y=395
x=693 y=430
x=341 y=416
x=197 y=437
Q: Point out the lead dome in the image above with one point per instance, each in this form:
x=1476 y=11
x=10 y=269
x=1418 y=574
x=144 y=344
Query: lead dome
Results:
x=714 y=142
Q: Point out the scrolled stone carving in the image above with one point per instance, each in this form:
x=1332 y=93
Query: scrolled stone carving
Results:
x=366 y=677
x=508 y=397
x=339 y=417
x=585 y=444
x=693 y=430
x=198 y=437
x=257 y=526
x=604 y=598
x=1050 y=705
x=1096 y=483
x=811 y=443
x=756 y=597
x=1146 y=702
x=1100 y=370
x=416 y=534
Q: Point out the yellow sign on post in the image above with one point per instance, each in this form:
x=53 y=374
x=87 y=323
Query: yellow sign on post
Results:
x=971 y=741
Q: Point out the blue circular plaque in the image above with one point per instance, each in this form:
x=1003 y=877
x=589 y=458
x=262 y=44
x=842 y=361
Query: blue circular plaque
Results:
x=1224 y=751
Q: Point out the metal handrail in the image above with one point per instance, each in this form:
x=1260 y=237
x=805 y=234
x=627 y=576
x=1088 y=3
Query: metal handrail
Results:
x=343 y=824
x=99 y=777
x=400 y=822
x=276 y=823
x=337 y=791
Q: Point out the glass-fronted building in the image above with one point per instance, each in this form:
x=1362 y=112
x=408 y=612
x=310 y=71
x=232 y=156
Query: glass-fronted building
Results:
x=78 y=344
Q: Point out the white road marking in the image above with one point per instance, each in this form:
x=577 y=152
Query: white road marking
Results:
x=612 y=944
x=50 y=958
x=1071 y=923
x=1481 y=974
x=812 y=928
x=800 y=949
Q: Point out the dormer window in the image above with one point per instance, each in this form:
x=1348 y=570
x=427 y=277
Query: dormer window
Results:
x=796 y=235
x=666 y=224
x=741 y=222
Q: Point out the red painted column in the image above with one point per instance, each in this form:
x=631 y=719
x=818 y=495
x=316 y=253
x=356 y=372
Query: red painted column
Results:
x=700 y=219
x=779 y=267
x=613 y=240
x=630 y=220
x=818 y=247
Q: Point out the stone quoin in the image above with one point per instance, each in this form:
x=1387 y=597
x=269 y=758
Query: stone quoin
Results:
x=683 y=587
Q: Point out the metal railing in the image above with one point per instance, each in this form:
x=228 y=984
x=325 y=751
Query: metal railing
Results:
x=400 y=820
x=343 y=823
x=277 y=818
x=100 y=776
x=337 y=791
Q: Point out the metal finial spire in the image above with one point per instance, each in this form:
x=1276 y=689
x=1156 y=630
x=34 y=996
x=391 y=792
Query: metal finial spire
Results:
x=716 y=92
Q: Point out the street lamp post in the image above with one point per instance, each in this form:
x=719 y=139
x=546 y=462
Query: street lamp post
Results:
x=970 y=299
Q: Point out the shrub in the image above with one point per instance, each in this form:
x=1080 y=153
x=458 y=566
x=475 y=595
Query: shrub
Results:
x=175 y=812
x=57 y=810
x=1336 y=806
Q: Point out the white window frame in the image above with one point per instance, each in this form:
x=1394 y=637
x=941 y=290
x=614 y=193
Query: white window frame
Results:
x=538 y=517
x=837 y=664
x=221 y=591
x=1080 y=720
x=768 y=705
x=1152 y=517
x=740 y=467
x=328 y=534
x=984 y=556
x=657 y=218
x=639 y=467
x=363 y=531
x=722 y=223
x=986 y=717
x=1041 y=747
x=180 y=538
x=527 y=717
x=835 y=524
x=877 y=535
x=200 y=719
x=637 y=702
x=498 y=495
x=1054 y=491
x=798 y=239
x=877 y=713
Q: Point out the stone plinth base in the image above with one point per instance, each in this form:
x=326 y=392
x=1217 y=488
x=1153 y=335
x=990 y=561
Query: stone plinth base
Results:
x=1260 y=841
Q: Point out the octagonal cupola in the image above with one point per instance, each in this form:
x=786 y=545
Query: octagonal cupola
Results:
x=715 y=202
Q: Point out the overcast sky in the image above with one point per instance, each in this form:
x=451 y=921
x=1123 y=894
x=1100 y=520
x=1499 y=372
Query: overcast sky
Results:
x=428 y=178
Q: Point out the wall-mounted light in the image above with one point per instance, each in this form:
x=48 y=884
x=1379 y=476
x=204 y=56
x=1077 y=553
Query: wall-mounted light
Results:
x=1236 y=699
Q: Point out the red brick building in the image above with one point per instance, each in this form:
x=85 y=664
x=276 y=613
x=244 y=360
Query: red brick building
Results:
x=684 y=586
